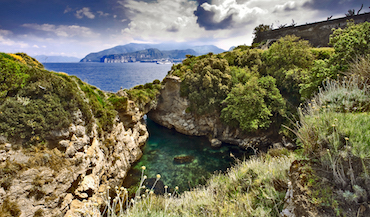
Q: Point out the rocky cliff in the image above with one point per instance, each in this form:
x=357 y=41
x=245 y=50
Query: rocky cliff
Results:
x=66 y=180
x=62 y=141
x=171 y=112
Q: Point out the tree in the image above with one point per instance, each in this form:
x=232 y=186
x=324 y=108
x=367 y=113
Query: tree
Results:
x=288 y=61
x=252 y=105
x=206 y=85
x=350 y=43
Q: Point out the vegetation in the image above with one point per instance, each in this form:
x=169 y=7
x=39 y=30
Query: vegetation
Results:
x=254 y=187
x=144 y=94
x=207 y=85
x=247 y=88
x=36 y=102
x=332 y=133
x=350 y=43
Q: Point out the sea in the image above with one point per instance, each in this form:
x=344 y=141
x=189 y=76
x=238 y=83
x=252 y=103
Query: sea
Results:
x=163 y=144
x=113 y=76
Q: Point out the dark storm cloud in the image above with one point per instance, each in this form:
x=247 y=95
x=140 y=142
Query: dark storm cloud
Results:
x=206 y=20
x=338 y=6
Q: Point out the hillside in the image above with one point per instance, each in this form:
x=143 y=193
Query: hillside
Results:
x=133 y=47
x=148 y=55
x=56 y=139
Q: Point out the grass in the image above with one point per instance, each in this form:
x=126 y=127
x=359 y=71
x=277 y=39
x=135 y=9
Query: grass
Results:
x=254 y=187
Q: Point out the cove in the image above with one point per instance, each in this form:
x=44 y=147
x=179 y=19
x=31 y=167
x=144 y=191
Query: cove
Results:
x=165 y=144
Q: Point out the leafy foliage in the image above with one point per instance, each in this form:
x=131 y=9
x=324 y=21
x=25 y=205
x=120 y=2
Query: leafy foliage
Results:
x=350 y=43
x=144 y=94
x=35 y=102
x=288 y=61
x=207 y=85
x=253 y=104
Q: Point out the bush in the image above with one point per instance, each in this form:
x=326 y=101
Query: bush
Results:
x=312 y=81
x=350 y=43
x=322 y=53
x=144 y=94
x=288 y=61
x=251 y=106
x=207 y=85
x=34 y=102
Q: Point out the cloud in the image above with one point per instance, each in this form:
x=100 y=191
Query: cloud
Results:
x=287 y=6
x=102 y=14
x=224 y=14
x=68 y=9
x=336 y=7
x=6 y=41
x=161 y=20
x=63 y=30
x=84 y=12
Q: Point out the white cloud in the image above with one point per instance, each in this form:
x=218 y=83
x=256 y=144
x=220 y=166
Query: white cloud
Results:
x=68 y=9
x=63 y=30
x=7 y=42
x=162 y=20
x=102 y=14
x=84 y=12
x=35 y=46
x=240 y=12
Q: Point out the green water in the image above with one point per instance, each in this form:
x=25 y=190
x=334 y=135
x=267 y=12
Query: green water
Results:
x=164 y=144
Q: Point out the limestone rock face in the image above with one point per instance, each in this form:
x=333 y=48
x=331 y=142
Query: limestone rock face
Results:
x=67 y=180
x=171 y=112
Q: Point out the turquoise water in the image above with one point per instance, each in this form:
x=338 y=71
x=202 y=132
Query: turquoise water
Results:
x=164 y=144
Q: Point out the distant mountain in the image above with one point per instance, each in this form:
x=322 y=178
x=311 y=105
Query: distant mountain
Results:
x=207 y=49
x=232 y=48
x=133 y=47
x=56 y=59
x=148 y=55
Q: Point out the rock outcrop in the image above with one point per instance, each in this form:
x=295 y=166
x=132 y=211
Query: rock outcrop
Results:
x=67 y=179
x=171 y=112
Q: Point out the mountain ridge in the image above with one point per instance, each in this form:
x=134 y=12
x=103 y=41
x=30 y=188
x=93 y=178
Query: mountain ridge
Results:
x=148 y=55
x=133 y=47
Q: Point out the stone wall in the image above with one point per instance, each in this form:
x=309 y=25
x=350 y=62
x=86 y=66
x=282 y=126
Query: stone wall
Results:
x=317 y=33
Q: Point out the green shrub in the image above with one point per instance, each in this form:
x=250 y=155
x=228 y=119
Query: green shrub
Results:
x=34 y=102
x=288 y=61
x=345 y=95
x=350 y=43
x=119 y=103
x=312 y=81
x=207 y=85
x=144 y=94
x=322 y=53
x=253 y=105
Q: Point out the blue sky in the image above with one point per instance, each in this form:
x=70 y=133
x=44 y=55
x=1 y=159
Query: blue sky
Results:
x=78 y=27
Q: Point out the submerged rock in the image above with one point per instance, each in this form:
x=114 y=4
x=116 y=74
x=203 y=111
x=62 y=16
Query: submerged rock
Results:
x=182 y=159
x=158 y=187
x=215 y=143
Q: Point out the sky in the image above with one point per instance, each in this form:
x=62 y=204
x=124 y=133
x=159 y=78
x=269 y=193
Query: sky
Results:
x=78 y=27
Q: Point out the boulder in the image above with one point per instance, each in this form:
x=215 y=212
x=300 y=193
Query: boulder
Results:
x=215 y=143
x=182 y=159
